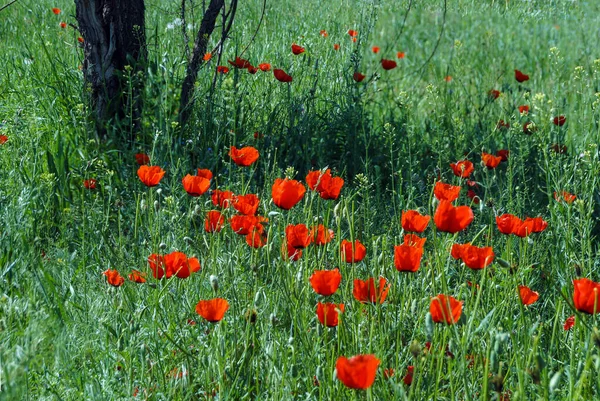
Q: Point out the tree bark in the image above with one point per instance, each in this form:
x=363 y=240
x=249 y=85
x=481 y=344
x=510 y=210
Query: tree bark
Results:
x=114 y=37
x=200 y=46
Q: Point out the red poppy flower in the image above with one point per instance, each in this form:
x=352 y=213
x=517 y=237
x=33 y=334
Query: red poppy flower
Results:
x=323 y=33
x=529 y=128
x=358 y=77
x=527 y=295
x=388 y=64
x=566 y=196
x=297 y=49
x=462 y=169
x=290 y=253
x=297 y=236
x=264 y=67
x=252 y=70
x=90 y=183
x=357 y=372
x=63 y=25
x=246 y=204
x=530 y=226
x=221 y=69
x=569 y=323
x=3 y=139
x=177 y=263
x=321 y=235
x=375 y=49
x=407 y=257
x=243 y=224
x=281 y=76
x=446 y=192
x=449 y=218
x=137 y=277
x=400 y=55
x=287 y=193
x=448 y=78
x=257 y=238
x=389 y=373
x=328 y=313
x=585 y=296
x=520 y=77
x=113 y=278
x=508 y=223
x=157 y=265
x=245 y=156
x=325 y=282
x=327 y=186
x=473 y=257
x=214 y=221
x=80 y=39
x=408 y=378
x=336 y=46
x=352 y=33
x=195 y=185
x=559 y=120
x=503 y=154
x=240 y=63
x=445 y=309
x=150 y=175
x=350 y=255
x=56 y=11
x=494 y=94
x=222 y=198
x=364 y=290
x=207 y=56
x=212 y=310
x=414 y=240
x=142 y=159
x=413 y=221
x=473 y=196
x=490 y=161
x=524 y=109
x=502 y=125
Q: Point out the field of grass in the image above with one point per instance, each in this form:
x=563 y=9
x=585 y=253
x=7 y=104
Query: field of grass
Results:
x=67 y=334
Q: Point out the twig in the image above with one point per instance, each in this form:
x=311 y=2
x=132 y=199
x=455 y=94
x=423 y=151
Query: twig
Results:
x=6 y=5
x=262 y=16
x=186 y=39
x=437 y=43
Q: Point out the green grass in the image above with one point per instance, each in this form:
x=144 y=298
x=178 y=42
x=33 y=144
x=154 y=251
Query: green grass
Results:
x=65 y=334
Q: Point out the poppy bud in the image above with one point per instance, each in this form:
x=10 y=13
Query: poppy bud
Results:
x=159 y=191
x=156 y=205
x=143 y=204
x=214 y=282
x=415 y=348
x=273 y=319
x=197 y=210
x=429 y=325
x=162 y=245
x=503 y=263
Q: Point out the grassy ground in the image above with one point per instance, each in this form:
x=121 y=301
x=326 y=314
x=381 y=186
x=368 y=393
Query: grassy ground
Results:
x=66 y=334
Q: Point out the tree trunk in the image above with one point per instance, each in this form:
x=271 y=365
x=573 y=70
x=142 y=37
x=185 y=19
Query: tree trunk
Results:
x=114 y=37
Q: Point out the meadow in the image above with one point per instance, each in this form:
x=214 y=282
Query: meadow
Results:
x=482 y=115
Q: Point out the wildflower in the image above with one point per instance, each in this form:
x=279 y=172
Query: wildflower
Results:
x=502 y=125
x=264 y=67
x=566 y=196
x=80 y=40
x=375 y=49
x=90 y=183
x=157 y=265
x=325 y=282
x=407 y=257
x=446 y=192
x=413 y=221
x=297 y=49
x=150 y=175
x=462 y=169
x=473 y=196
x=527 y=295
x=452 y=219
x=323 y=33
x=221 y=69
x=287 y=193
x=494 y=94
x=321 y=235
x=358 y=77
x=222 y=198
x=328 y=313
x=214 y=221
x=252 y=70
x=336 y=46
x=559 y=120
x=524 y=109
x=353 y=252
x=473 y=257
x=240 y=63
x=364 y=290
x=3 y=139
x=142 y=159
x=281 y=76
x=327 y=186
x=569 y=323
x=56 y=11
x=113 y=278
x=245 y=156
x=297 y=236
x=448 y=78
x=243 y=225
x=530 y=226
x=400 y=55
x=357 y=372
x=246 y=204
x=352 y=33
x=290 y=253
x=445 y=309
x=207 y=56
x=585 y=295
x=490 y=161
x=212 y=310
x=520 y=77
x=137 y=277
x=388 y=64
x=503 y=154
x=177 y=263
x=195 y=185
x=388 y=373
x=507 y=223
x=63 y=25
x=408 y=378
x=257 y=238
